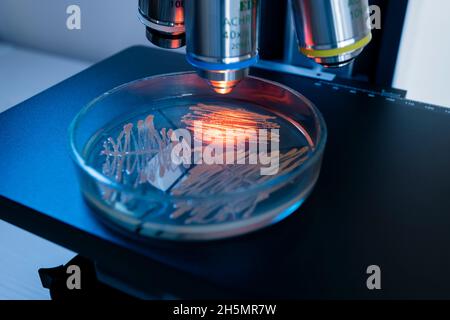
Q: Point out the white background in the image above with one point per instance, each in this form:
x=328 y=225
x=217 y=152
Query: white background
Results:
x=423 y=66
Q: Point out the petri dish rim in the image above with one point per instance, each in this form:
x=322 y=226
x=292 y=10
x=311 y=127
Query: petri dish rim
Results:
x=281 y=179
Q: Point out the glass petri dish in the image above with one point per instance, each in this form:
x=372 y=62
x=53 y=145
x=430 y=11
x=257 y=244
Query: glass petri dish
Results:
x=167 y=157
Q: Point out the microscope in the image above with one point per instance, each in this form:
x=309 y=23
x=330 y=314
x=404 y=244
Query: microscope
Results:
x=221 y=36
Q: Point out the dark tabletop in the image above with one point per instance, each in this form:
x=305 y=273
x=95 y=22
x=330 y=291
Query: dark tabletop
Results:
x=383 y=198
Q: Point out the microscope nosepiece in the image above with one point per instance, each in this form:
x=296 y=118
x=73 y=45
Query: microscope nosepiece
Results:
x=164 y=21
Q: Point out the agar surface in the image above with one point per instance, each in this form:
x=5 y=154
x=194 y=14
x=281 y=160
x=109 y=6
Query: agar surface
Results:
x=141 y=155
x=220 y=179
x=138 y=155
x=221 y=118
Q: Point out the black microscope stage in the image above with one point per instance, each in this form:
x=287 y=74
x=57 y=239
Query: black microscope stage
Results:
x=382 y=198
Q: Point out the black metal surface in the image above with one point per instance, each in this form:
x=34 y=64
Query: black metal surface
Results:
x=272 y=29
x=55 y=280
x=382 y=198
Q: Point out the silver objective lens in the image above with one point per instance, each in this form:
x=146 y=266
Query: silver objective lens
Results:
x=222 y=40
x=332 y=32
x=164 y=21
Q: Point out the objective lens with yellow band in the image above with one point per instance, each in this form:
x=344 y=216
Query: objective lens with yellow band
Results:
x=337 y=57
x=338 y=51
x=332 y=32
